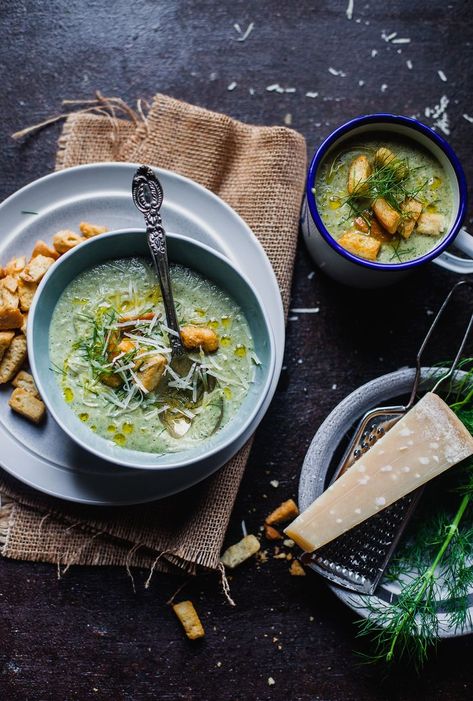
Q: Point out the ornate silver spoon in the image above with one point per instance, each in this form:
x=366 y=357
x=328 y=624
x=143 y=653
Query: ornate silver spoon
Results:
x=148 y=197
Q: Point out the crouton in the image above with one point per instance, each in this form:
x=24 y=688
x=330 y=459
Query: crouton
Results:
x=10 y=318
x=285 y=512
x=411 y=210
x=6 y=338
x=296 y=569
x=360 y=244
x=241 y=551
x=25 y=381
x=24 y=325
x=126 y=345
x=383 y=157
x=8 y=298
x=89 y=230
x=360 y=171
x=13 y=359
x=10 y=315
x=190 y=620
x=26 y=404
x=152 y=371
x=41 y=248
x=386 y=215
x=64 y=240
x=10 y=283
x=361 y=223
x=431 y=224
x=272 y=533
x=15 y=266
x=377 y=231
x=36 y=268
x=113 y=380
x=26 y=292
x=194 y=337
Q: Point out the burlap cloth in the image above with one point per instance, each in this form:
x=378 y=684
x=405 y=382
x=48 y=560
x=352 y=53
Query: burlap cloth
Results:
x=259 y=171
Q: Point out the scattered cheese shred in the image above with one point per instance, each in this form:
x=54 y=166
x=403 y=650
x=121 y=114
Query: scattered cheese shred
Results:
x=334 y=71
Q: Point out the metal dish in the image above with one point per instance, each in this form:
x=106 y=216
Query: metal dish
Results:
x=321 y=457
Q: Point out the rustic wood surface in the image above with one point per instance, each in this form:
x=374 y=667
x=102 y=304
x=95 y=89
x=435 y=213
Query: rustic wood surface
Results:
x=88 y=636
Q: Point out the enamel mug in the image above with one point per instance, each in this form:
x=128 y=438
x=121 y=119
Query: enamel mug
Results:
x=351 y=270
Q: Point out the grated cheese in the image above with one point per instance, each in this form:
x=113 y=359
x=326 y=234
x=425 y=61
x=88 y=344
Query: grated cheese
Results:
x=349 y=10
x=334 y=71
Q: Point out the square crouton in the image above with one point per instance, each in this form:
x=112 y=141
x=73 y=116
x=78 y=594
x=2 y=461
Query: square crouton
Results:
x=152 y=371
x=430 y=224
x=89 y=230
x=6 y=337
x=41 y=248
x=36 y=268
x=360 y=244
x=24 y=325
x=26 y=404
x=26 y=292
x=15 y=266
x=64 y=240
x=241 y=551
x=386 y=215
x=13 y=359
x=10 y=318
x=411 y=211
x=10 y=283
x=25 y=381
x=190 y=620
x=10 y=315
x=358 y=174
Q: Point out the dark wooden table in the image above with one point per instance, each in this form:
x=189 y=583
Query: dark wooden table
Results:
x=88 y=635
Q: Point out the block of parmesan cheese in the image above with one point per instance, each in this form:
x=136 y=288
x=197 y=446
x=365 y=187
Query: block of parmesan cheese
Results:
x=425 y=442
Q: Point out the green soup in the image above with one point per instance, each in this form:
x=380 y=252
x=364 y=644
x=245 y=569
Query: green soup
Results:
x=409 y=175
x=109 y=325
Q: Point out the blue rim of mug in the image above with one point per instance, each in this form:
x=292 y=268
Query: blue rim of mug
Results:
x=384 y=118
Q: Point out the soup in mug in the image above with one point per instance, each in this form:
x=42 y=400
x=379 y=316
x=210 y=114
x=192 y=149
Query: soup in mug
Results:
x=384 y=199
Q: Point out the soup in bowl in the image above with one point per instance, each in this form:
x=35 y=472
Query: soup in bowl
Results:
x=101 y=351
x=384 y=195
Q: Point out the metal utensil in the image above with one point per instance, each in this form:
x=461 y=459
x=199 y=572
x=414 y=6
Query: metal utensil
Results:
x=357 y=559
x=148 y=197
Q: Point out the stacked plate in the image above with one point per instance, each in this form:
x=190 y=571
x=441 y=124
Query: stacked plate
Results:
x=44 y=457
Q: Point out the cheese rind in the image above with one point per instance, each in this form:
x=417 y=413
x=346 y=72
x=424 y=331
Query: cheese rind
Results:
x=428 y=440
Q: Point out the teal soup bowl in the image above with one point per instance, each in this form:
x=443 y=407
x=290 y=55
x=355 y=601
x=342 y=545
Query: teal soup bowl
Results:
x=181 y=250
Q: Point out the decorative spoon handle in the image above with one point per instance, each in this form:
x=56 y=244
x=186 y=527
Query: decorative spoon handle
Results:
x=148 y=198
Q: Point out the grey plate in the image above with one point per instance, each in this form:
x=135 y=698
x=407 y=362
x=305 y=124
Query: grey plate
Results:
x=44 y=457
x=321 y=451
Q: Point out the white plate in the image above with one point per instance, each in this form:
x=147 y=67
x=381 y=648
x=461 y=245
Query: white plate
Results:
x=44 y=457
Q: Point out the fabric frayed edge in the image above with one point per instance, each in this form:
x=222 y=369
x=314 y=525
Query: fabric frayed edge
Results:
x=7 y=514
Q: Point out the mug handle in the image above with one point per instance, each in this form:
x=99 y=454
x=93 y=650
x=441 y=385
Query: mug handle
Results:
x=455 y=264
